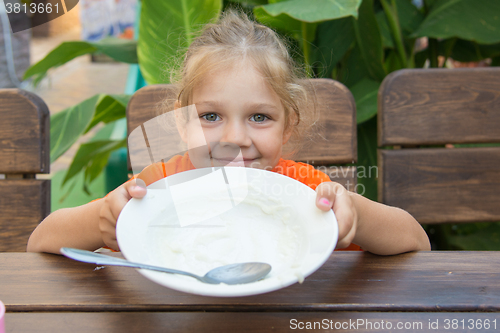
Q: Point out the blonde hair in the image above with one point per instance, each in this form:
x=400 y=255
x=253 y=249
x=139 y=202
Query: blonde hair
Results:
x=235 y=38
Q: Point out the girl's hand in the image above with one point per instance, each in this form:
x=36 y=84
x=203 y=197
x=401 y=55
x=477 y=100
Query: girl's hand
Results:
x=331 y=195
x=112 y=207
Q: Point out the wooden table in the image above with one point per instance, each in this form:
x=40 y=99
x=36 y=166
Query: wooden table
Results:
x=352 y=290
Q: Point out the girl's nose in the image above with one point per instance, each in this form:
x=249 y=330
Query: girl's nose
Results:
x=237 y=134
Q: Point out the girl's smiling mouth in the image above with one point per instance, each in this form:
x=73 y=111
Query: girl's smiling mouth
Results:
x=233 y=162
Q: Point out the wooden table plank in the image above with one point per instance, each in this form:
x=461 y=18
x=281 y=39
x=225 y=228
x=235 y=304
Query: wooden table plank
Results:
x=348 y=281
x=187 y=322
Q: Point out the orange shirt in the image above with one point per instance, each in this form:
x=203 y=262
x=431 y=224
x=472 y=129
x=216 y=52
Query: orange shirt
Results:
x=302 y=172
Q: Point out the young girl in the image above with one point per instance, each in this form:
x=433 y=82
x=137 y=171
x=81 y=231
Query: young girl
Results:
x=249 y=102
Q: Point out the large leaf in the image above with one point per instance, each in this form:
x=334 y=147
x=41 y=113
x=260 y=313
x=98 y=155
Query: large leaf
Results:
x=369 y=40
x=119 y=49
x=352 y=68
x=68 y=125
x=409 y=16
x=92 y=157
x=313 y=10
x=473 y=20
x=166 y=29
x=332 y=45
x=385 y=31
x=303 y=32
x=63 y=197
x=300 y=19
x=365 y=93
x=109 y=108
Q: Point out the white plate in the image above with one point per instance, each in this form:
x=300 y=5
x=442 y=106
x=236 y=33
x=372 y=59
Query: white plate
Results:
x=200 y=219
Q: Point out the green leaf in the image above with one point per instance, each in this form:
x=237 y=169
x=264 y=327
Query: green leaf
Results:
x=299 y=19
x=57 y=57
x=472 y=20
x=483 y=238
x=248 y=3
x=281 y=22
x=166 y=29
x=119 y=49
x=466 y=51
x=303 y=32
x=109 y=108
x=68 y=125
x=410 y=17
x=367 y=159
x=365 y=94
x=352 y=68
x=370 y=41
x=313 y=10
x=331 y=45
x=393 y=62
x=385 y=32
x=92 y=157
x=64 y=197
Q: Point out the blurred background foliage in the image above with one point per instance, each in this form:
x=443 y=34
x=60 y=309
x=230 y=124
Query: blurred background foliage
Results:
x=357 y=42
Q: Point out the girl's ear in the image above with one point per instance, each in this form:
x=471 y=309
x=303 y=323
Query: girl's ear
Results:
x=287 y=133
x=180 y=121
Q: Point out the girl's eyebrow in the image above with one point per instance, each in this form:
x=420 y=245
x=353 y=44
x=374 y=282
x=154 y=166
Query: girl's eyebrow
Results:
x=254 y=106
x=263 y=106
x=209 y=103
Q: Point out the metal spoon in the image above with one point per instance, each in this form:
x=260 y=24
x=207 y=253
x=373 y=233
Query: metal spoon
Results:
x=228 y=274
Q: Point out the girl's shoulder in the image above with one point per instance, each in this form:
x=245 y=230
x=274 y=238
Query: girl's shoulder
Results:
x=303 y=172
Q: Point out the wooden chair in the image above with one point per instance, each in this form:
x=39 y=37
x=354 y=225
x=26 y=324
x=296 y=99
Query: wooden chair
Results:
x=421 y=109
x=24 y=152
x=335 y=142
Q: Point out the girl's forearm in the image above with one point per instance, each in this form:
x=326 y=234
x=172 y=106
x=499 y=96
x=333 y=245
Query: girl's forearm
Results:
x=387 y=230
x=69 y=227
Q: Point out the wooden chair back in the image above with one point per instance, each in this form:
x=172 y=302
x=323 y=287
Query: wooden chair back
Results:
x=24 y=152
x=422 y=115
x=334 y=142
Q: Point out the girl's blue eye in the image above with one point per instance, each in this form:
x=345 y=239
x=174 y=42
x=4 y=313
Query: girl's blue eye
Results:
x=210 y=116
x=259 y=118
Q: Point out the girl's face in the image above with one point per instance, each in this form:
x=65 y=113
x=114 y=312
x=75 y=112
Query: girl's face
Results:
x=242 y=120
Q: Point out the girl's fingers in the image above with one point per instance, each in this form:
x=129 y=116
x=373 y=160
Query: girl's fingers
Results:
x=136 y=188
x=345 y=215
x=327 y=194
x=346 y=240
x=335 y=196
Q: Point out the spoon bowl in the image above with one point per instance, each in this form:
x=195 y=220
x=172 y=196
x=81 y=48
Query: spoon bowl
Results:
x=238 y=273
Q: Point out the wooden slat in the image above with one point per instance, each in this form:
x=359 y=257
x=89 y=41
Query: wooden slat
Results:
x=334 y=142
x=439 y=106
x=24 y=204
x=24 y=133
x=348 y=281
x=442 y=185
x=195 y=322
x=344 y=175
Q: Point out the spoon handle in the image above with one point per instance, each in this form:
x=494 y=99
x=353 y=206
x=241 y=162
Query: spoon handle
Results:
x=101 y=259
